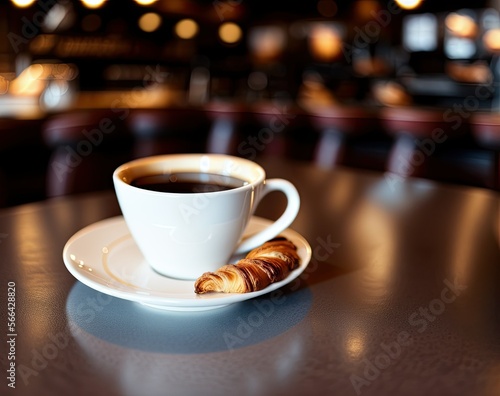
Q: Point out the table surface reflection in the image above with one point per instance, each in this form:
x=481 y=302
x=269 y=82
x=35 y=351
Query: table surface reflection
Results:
x=402 y=297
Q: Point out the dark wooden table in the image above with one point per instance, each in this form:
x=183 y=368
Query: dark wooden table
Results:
x=402 y=297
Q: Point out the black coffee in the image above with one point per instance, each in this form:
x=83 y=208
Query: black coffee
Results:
x=187 y=182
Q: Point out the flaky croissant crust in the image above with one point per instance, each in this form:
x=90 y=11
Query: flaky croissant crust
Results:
x=262 y=266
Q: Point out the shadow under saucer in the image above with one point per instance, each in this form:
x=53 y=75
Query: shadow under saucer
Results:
x=136 y=326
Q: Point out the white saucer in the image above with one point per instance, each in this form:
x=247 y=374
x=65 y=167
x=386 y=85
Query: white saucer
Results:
x=104 y=257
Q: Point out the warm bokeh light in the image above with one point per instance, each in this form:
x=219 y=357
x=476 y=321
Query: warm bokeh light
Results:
x=391 y=93
x=230 y=32
x=4 y=85
x=150 y=22
x=267 y=42
x=461 y=25
x=364 y=10
x=408 y=4
x=186 y=28
x=22 y=3
x=491 y=40
x=43 y=43
x=324 y=42
x=29 y=82
x=145 y=2
x=355 y=345
x=32 y=80
x=478 y=72
x=93 y=3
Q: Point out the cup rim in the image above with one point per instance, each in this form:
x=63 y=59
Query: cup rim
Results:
x=259 y=177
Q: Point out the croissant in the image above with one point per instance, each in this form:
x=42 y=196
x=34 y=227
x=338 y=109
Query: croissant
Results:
x=262 y=266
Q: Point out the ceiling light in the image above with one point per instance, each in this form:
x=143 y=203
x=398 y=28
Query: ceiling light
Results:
x=186 y=28
x=93 y=3
x=149 y=22
x=22 y=3
x=145 y=2
x=230 y=32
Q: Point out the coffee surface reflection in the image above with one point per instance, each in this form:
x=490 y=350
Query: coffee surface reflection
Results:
x=187 y=182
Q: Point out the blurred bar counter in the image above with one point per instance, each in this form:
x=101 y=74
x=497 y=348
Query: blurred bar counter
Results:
x=77 y=149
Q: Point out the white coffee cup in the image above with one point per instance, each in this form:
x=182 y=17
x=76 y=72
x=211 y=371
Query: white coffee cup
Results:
x=183 y=235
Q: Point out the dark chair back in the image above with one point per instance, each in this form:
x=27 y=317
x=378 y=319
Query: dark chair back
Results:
x=86 y=147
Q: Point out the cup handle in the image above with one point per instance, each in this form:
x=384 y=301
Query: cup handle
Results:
x=288 y=216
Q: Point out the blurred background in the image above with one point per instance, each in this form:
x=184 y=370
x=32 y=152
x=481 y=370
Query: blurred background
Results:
x=407 y=87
